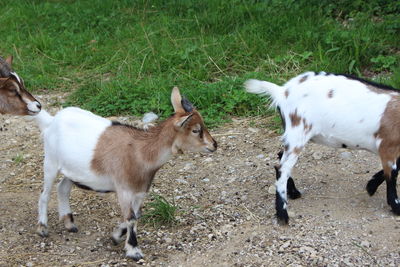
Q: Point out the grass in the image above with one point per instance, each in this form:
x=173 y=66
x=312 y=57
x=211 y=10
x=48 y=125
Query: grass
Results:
x=159 y=212
x=123 y=57
x=19 y=158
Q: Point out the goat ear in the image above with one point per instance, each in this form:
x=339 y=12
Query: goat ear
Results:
x=9 y=60
x=183 y=121
x=187 y=106
x=176 y=100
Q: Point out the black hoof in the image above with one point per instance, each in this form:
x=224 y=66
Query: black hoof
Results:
x=396 y=208
x=115 y=241
x=294 y=194
x=281 y=212
x=282 y=217
x=372 y=186
x=137 y=256
x=73 y=229
x=375 y=182
x=292 y=191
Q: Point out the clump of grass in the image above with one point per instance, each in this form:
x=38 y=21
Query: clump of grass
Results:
x=159 y=212
x=19 y=158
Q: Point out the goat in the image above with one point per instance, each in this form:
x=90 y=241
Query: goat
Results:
x=340 y=111
x=14 y=98
x=95 y=153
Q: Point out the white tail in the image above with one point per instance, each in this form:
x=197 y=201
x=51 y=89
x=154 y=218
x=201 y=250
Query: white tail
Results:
x=43 y=119
x=265 y=88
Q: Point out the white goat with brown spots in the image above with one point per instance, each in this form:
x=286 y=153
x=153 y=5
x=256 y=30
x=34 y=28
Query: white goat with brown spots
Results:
x=14 y=98
x=98 y=154
x=337 y=111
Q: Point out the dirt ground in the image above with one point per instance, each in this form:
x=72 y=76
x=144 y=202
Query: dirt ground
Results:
x=226 y=207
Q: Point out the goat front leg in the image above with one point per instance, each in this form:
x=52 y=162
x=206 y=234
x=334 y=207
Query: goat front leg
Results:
x=131 y=244
x=64 y=210
x=287 y=163
x=130 y=203
x=292 y=191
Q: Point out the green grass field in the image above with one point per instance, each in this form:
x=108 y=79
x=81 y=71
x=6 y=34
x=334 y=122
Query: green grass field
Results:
x=124 y=57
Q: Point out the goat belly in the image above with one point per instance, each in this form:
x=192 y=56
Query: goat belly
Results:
x=367 y=143
x=89 y=181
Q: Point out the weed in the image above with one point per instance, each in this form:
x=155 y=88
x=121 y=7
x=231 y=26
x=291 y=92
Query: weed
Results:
x=19 y=158
x=159 y=212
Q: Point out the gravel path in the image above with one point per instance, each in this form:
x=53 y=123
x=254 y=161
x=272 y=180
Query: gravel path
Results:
x=226 y=207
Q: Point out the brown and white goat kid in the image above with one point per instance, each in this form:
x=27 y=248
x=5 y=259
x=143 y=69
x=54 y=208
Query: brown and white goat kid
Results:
x=14 y=98
x=340 y=111
x=98 y=154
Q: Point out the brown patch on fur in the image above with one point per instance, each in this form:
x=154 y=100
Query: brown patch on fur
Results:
x=132 y=156
x=330 y=93
x=389 y=132
x=361 y=121
x=122 y=151
x=286 y=93
x=294 y=118
x=303 y=79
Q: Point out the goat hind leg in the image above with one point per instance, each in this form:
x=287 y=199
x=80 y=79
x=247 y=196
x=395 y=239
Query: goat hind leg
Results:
x=378 y=179
x=64 y=209
x=391 y=192
x=281 y=186
x=375 y=182
x=292 y=191
x=50 y=174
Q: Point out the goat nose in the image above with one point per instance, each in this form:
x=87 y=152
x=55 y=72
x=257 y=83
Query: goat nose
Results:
x=215 y=144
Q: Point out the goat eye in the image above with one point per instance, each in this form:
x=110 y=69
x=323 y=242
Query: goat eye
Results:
x=195 y=131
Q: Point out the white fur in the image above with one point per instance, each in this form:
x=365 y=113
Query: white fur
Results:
x=16 y=76
x=338 y=109
x=350 y=117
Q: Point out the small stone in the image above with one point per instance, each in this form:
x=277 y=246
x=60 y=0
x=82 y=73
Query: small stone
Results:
x=188 y=166
x=260 y=156
x=208 y=160
x=253 y=130
x=285 y=245
x=206 y=180
x=168 y=240
x=365 y=244
x=317 y=155
x=181 y=181
x=272 y=190
x=345 y=155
